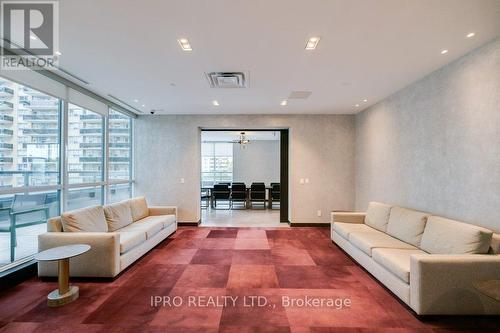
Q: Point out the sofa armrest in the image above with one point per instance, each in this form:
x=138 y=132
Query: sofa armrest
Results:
x=445 y=283
x=348 y=217
x=163 y=210
x=102 y=260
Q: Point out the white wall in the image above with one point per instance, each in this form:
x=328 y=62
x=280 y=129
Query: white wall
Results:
x=167 y=148
x=259 y=161
x=435 y=145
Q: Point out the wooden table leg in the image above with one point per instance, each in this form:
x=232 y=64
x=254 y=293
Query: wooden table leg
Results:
x=63 y=277
x=65 y=293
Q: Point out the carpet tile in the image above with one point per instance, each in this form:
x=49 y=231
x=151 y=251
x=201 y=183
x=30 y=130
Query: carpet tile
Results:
x=243 y=280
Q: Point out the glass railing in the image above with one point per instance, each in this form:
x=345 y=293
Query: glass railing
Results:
x=29 y=178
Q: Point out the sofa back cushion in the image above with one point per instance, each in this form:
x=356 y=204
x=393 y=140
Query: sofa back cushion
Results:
x=377 y=215
x=407 y=225
x=89 y=219
x=118 y=215
x=138 y=207
x=447 y=236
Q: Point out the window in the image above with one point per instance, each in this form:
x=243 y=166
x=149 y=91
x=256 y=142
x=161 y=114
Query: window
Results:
x=85 y=145
x=29 y=137
x=29 y=160
x=32 y=185
x=120 y=146
x=216 y=163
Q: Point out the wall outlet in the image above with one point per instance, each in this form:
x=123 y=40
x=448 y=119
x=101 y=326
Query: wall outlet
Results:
x=302 y=180
x=319 y=213
x=182 y=180
x=307 y=180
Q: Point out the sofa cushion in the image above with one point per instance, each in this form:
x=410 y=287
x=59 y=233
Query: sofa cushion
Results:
x=130 y=239
x=447 y=236
x=377 y=215
x=166 y=220
x=149 y=227
x=407 y=225
x=118 y=215
x=89 y=219
x=367 y=241
x=345 y=229
x=138 y=207
x=397 y=261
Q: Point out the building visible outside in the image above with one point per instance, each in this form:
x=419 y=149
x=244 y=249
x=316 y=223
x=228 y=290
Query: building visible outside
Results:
x=30 y=152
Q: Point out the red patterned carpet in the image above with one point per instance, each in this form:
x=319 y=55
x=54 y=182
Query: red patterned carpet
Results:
x=203 y=270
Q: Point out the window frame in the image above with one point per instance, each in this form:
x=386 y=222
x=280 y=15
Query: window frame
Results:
x=63 y=187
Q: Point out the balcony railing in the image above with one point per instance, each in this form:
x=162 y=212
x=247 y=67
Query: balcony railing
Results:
x=4 y=117
x=6 y=146
x=40 y=131
x=4 y=131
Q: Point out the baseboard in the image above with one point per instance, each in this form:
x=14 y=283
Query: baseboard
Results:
x=188 y=224
x=317 y=225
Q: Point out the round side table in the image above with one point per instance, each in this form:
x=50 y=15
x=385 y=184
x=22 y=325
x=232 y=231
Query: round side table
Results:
x=65 y=293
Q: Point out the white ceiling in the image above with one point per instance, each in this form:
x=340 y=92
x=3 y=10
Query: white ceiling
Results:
x=368 y=49
x=235 y=135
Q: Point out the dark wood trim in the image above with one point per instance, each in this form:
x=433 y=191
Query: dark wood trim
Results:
x=284 y=154
x=317 y=225
x=284 y=175
x=188 y=224
x=18 y=274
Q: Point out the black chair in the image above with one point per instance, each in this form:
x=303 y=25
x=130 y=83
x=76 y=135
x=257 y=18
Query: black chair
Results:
x=239 y=194
x=258 y=194
x=205 y=198
x=275 y=193
x=221 y=192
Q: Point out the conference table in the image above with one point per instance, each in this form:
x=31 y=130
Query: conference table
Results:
x=209 y=189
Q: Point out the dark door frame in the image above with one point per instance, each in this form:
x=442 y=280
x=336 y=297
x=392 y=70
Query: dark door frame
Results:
x=284 y=167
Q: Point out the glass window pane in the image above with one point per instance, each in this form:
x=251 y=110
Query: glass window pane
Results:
x=216 y=163
x=29 y=214
x=120 y=192
x=84 y=197
x=85 y=145
x=120 y=146
x=29 y=136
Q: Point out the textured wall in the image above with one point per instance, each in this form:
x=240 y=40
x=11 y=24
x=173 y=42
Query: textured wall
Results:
x=167 y=148
x=258 y=162
x=435 y=145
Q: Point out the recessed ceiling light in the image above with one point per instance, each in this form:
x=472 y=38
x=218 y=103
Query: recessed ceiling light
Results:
x=470 y=34
x=215 y=103
x=136 y=100
x=365 y=100
x=184 y=43
x=357 y=105
x=143 y=105
x=444 y=51
x=284 y=102
x=58 y=53
x=312 y=43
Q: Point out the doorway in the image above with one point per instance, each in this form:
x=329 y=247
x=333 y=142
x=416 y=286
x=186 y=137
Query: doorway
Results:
x=244 y=177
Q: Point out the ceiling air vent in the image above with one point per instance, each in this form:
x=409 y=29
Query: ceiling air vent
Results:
x=227 y=79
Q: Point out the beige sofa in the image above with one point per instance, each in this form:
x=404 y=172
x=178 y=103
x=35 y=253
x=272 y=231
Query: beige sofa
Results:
x=119 y=234
x=431 y=263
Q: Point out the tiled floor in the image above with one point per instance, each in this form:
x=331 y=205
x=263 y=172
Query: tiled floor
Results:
x=203 y=267
x=241 y=218
x=27 y=243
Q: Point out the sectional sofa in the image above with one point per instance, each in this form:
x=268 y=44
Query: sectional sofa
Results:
x=433 y=264
x=118 y=234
